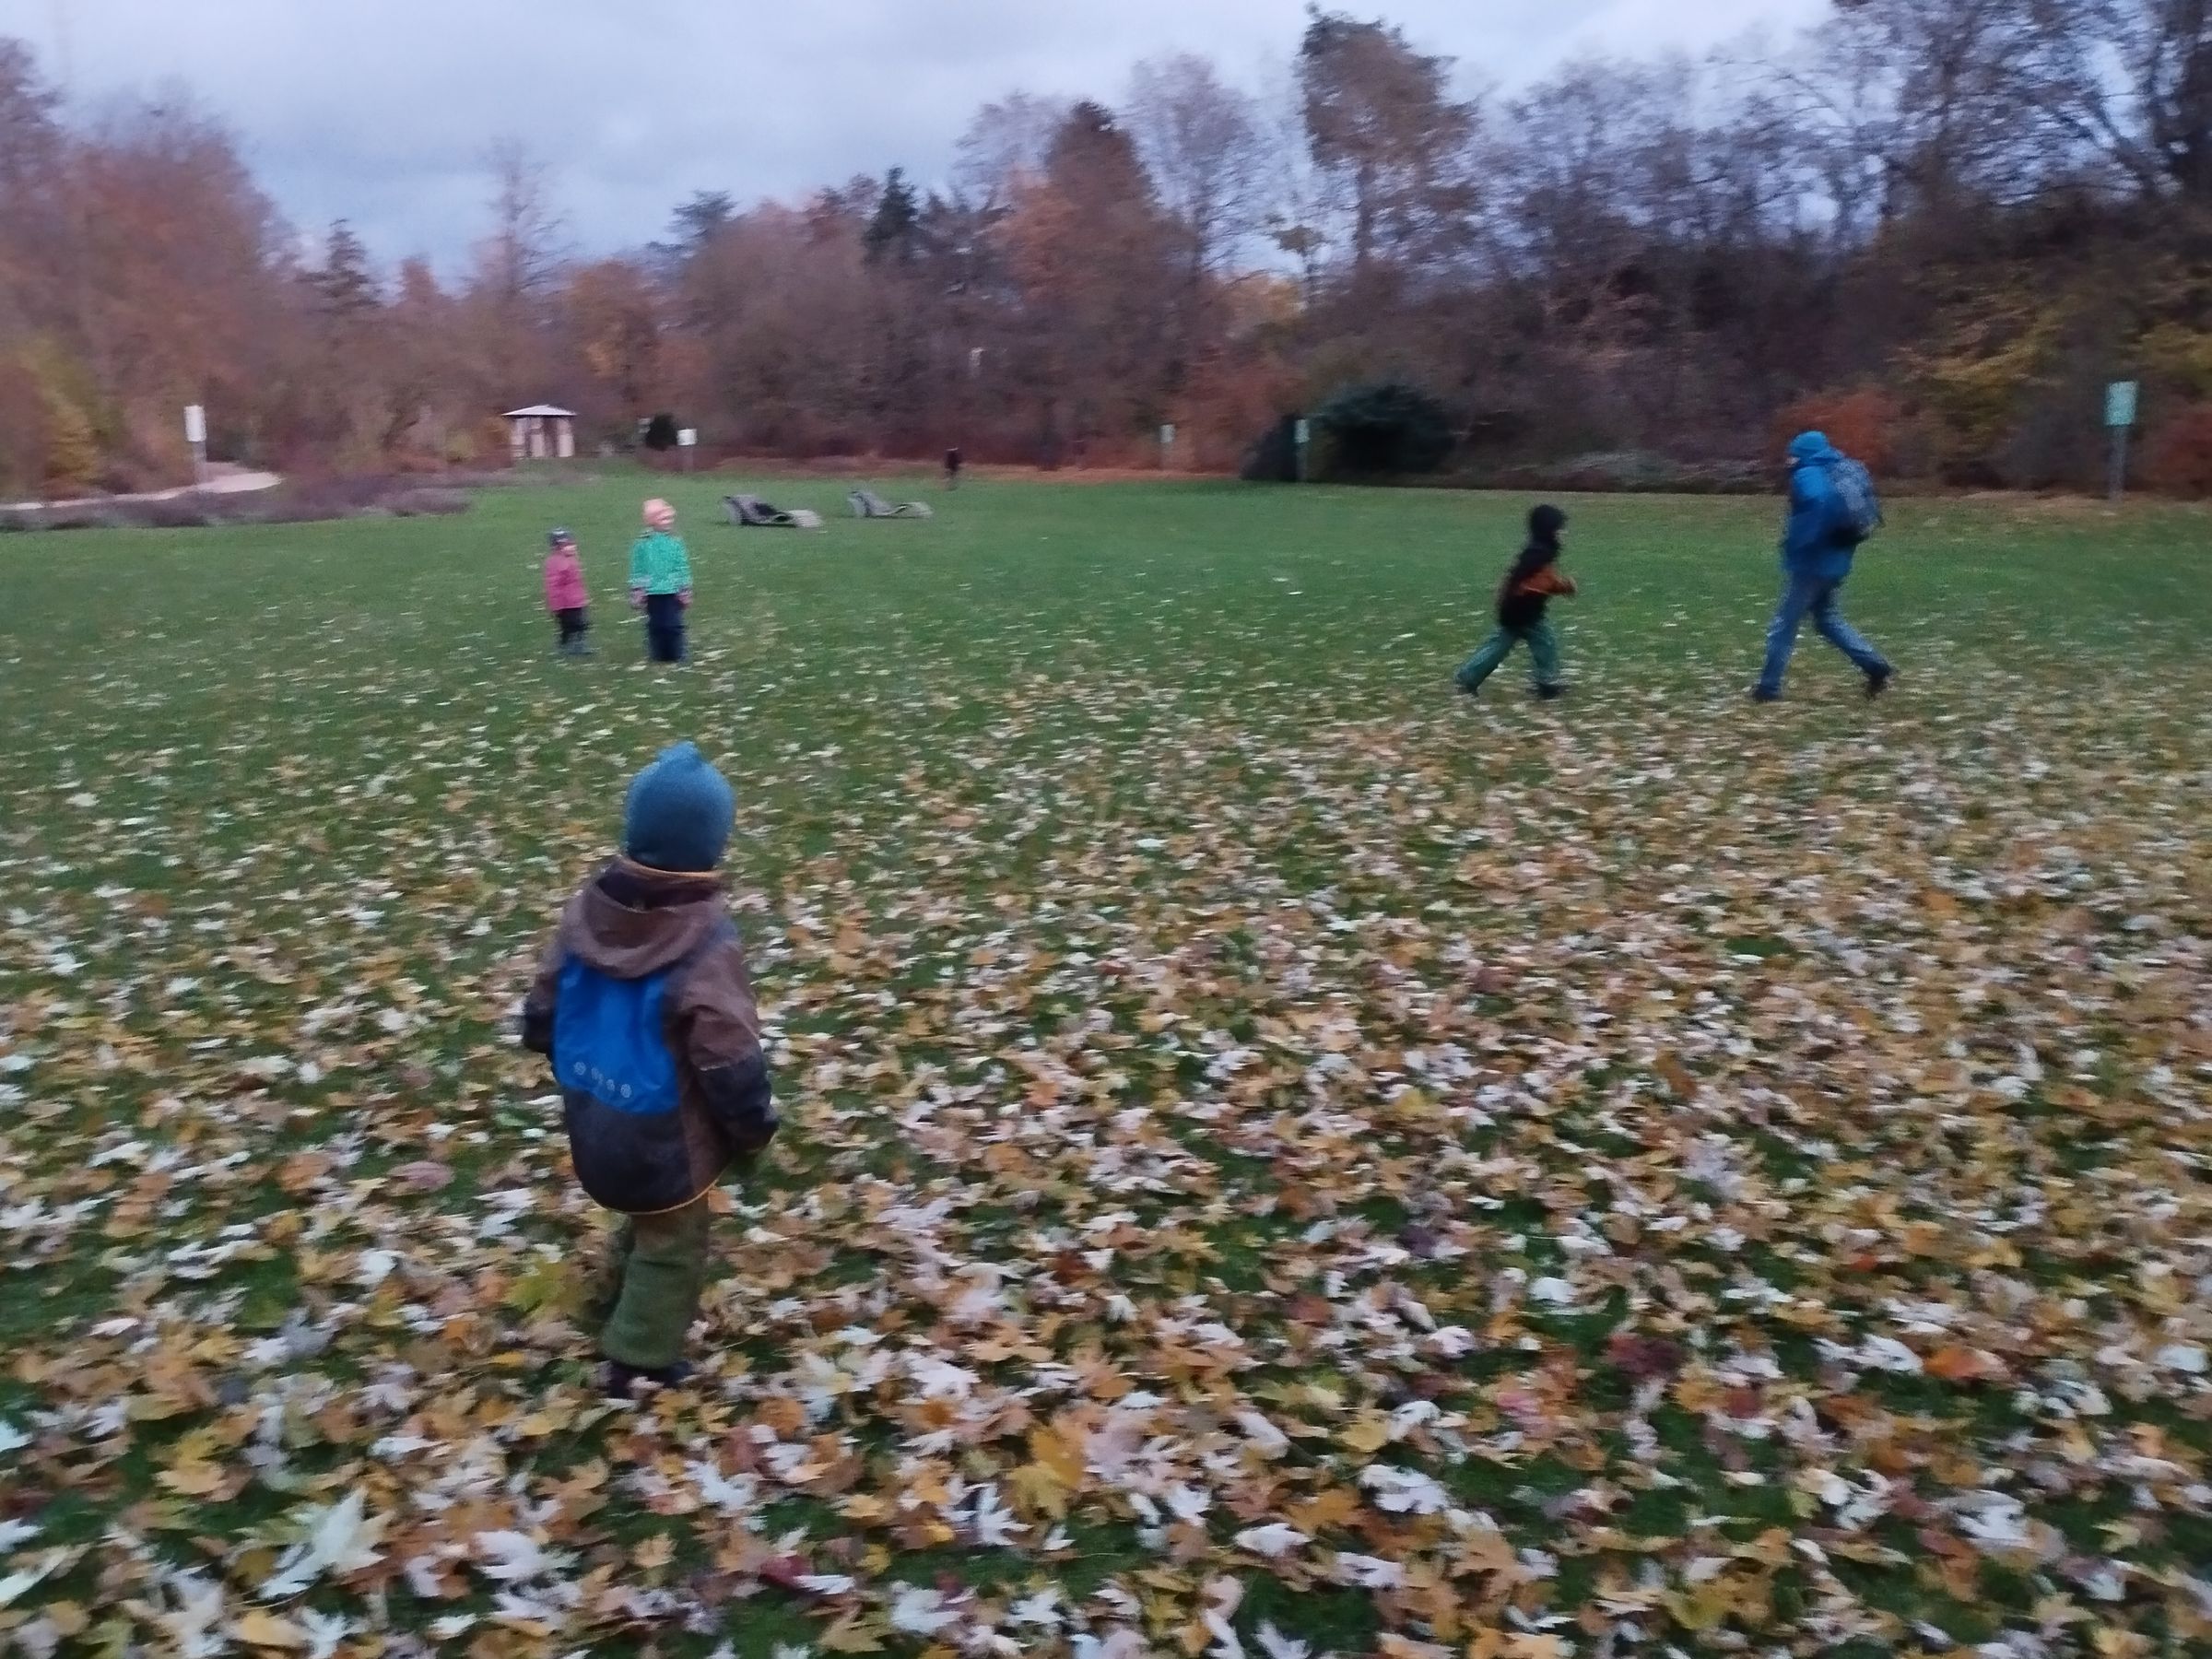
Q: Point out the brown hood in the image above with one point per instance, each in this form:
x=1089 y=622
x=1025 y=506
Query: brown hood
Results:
x=633 y=921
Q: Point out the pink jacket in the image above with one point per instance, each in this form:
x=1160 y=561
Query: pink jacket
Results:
x=564 y=580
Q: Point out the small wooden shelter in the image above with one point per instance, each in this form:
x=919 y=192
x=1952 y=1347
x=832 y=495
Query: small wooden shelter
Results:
x=541 y=432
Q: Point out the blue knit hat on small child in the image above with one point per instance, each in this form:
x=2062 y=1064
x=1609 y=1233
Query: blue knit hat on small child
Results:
x=680 y=812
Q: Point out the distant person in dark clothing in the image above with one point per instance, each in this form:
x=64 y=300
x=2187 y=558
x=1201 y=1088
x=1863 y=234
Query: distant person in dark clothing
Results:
x=952 y=467
x=1527 y=589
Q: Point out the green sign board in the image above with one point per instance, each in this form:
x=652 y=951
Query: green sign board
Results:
x=2120 y=403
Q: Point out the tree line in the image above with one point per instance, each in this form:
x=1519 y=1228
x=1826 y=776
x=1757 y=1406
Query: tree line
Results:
x=1939 y=226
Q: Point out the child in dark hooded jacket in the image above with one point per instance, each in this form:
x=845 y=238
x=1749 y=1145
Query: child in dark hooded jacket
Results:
x=1527 y=589
x=644 y=1006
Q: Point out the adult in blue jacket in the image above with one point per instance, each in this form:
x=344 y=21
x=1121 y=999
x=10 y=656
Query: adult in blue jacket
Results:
x=1817 y=543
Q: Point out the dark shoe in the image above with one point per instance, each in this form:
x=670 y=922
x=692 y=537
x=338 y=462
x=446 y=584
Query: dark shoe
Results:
x=1760 y=694
x=1878 y=682
x=1550 y=693
x=1467 y=690
x=625 y=1382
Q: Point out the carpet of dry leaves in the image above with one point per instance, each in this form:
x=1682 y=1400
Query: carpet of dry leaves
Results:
x=1277 y=1166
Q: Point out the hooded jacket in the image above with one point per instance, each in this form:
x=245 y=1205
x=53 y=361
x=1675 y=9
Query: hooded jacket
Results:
x=1815 y=540
x=1534 y=578
x=627 y=922
x=564 y=580
x=659 y=564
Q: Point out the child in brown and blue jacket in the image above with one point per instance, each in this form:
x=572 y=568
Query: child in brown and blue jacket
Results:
x=644 y=1006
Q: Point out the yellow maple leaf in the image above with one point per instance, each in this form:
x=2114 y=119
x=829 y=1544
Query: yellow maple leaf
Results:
x=1335 y=1507
x=544 y=1286
x=192 y=1478
x=848 y=1635
x=1036 y=1484
x=1702 y=1609
x=264 y=1629
x=1367 y=1434
x=1050 y=1447
x=67 y=1617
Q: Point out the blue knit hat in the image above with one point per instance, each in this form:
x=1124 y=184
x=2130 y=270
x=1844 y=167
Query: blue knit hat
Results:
x=680 y=812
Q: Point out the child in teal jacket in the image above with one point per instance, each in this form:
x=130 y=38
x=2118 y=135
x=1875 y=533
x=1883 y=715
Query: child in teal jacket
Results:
x=659 y=583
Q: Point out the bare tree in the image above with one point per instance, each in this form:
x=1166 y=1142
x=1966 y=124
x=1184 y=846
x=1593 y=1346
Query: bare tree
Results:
x=1006 y=142
x=1922 y=98
x=1199 y=138
x=517 y=270
x=518 y=261
x=2128 y=82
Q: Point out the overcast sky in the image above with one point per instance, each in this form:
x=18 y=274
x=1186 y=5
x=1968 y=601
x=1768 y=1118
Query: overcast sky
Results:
x=380 y=111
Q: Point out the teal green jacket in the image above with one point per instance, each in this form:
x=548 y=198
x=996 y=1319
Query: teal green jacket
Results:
x=658 y=564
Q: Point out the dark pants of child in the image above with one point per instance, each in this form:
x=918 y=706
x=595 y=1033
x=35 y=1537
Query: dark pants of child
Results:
x=649 y=1286
x=664 y=627
x=574 y=625
x=1543 y=642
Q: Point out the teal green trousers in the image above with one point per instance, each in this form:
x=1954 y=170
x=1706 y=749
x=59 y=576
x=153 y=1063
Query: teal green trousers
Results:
x=649 y=1286
x=1543 y=642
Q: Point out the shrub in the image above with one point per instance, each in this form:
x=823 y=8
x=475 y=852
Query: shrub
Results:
x=78 y=515
x=2179 y=461
x=72 y=450
x=424 y=503
x=660 y=432
x=300 y=502
x=1635 y=472
x=1273 y=457
x=1381 y=429
x=178 y=513
x=22 y=430
x=310 y=502
x=1865 y=425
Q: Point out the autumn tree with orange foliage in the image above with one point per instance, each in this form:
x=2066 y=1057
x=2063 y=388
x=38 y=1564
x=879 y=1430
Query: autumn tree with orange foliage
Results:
x=1936 y=227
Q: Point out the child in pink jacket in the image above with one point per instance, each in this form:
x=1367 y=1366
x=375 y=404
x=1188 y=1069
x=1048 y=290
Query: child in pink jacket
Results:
x=565 y=596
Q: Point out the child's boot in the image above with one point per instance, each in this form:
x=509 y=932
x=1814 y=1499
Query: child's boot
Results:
x=627 y=1381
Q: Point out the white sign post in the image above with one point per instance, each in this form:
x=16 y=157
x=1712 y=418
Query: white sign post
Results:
x=1304 y=435
x=195 y=434
x=2120 y=403
x=687 y=439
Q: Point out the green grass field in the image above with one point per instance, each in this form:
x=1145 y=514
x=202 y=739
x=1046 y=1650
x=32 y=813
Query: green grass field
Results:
x=1279 y=1158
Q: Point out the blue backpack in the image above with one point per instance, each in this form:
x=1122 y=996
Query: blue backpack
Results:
x=1858 y=507
x=621 y=1091
x=610 y=1039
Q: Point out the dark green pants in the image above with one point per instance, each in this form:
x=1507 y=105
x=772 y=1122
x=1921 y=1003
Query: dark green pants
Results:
x=1543 y=642
x=649 y=1286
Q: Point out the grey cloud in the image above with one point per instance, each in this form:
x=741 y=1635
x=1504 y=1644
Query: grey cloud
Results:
x=381 y=111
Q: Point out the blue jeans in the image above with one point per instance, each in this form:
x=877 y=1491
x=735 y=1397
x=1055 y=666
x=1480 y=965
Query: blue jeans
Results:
x=664 y=627
x=1803 y=596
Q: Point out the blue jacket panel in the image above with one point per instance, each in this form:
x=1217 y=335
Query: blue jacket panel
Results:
x=1814 y=540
